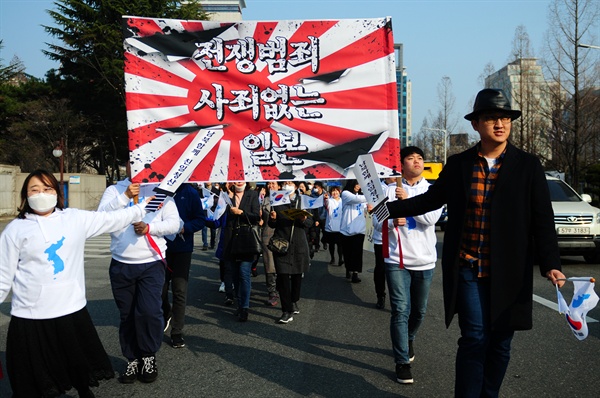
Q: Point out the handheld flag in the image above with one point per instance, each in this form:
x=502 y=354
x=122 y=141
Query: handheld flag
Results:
x=584 y=300
x=208 y=199
x=309 y=202
x=222 y=203
x=279 y=198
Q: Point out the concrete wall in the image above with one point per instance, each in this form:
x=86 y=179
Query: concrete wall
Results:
x=84 y=190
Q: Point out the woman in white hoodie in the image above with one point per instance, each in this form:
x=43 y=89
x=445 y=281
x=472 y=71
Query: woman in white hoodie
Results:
x=52 y=344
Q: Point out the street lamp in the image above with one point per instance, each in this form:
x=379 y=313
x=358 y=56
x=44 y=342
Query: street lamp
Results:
x=58 y=153
x=445 y=141
x=588 y=46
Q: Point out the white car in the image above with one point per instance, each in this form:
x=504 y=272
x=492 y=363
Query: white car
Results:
x=577 y=222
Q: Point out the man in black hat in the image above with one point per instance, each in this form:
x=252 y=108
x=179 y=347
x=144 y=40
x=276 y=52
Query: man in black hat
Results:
x=498 y=207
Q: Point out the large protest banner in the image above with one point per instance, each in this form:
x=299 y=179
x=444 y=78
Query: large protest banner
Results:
x=258 y=101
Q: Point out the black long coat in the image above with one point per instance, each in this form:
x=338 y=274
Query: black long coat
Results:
x=297 y=259
x=521 y=214
x=251 y=207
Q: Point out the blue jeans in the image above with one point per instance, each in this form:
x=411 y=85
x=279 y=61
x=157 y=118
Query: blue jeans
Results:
x=205 y=237
x=483 y=353
x=408 y=291
x=242 y=282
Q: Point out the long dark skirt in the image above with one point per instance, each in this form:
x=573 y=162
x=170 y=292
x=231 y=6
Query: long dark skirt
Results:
x=353 y=252
x=47 y=357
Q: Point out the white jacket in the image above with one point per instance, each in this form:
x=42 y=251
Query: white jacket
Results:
x=417 y=237
x=353 y=214
x=41 y=259
x=128 y=247
x=333 y=222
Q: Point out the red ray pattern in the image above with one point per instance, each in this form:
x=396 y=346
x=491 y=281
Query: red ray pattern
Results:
x=238 y=125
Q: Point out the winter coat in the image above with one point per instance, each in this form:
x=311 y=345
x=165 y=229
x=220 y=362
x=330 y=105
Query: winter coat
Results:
x=297 y=259
x=251 y=212
x=521 y=214
x=190 y=211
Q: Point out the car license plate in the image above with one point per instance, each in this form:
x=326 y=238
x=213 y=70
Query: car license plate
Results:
x=573 y=230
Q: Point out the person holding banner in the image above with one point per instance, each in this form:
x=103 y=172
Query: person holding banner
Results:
x=238 y=267
x=179 y=260
x=387 y=184
x=409 y=254
x=296 y=261
x=137 y=277
x=353 y=228
x=51 y=344
x=499 y=217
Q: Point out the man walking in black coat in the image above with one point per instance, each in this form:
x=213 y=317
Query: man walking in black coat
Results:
x=499 y=215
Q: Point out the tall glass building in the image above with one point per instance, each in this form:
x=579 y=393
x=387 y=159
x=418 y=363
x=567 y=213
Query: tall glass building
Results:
x=404 y=98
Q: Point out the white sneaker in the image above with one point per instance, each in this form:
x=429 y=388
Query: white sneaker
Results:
x=222 y=288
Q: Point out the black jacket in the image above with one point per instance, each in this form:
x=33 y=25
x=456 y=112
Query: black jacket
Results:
x=297 y=259
x=521 y=215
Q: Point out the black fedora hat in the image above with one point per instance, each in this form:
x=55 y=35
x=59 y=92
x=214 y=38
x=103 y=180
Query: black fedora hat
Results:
x=490 y=100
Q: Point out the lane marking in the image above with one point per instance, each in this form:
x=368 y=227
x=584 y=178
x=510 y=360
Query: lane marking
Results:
x=554 y=306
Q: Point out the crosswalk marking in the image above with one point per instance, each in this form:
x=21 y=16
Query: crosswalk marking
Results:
x=97 y=247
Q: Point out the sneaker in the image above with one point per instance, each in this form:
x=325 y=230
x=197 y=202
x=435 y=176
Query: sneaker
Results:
x=286 y=317
x=204 y=248
x=272 y=301
x=411 y=351
x=131 y=373
x=332 y=262
x=380 y=303
x=149 y=371
x=228 y=301
x=341 y=263
x=295 y=307
x=403 y=375
x=167 y=324
x=222 y=288
x=177 y=341
x=355 y=278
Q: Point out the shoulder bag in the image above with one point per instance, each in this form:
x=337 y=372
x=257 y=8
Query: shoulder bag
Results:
x=279 y=245
x=246 y=239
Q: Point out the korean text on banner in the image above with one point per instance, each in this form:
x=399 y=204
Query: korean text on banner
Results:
x=292 y=99
x=366 y=174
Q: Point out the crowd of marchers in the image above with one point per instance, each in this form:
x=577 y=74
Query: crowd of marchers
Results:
x=487 y=262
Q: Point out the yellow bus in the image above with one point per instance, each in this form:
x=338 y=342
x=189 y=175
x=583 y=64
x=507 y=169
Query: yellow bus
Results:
x=431 y=170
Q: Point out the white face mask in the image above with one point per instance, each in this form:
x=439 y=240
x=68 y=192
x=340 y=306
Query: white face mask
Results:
x=289 y=188
x=42 y=202
x=240 y=188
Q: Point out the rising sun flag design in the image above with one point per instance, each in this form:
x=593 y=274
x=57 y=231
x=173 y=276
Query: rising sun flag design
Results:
x=584 y=300
x=259 y=101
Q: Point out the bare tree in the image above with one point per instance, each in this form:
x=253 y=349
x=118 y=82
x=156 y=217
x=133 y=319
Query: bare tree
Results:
x=436 y=129
x=573 y=73
x=488 y=69
x=526 y=93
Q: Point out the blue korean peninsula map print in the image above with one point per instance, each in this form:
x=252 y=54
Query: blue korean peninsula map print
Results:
x=54 y=258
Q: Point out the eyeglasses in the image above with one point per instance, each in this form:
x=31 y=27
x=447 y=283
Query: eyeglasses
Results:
x=492 y=119
x=36 y=190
